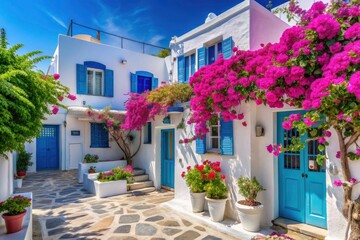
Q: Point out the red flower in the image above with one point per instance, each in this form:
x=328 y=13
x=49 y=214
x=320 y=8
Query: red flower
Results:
x=203 y=176
x=244 y=124
x=200 y=168
x=222 y=176
x=56 y=76
x=206 y=162
x=183 y=174
x=72 y=97
x=212 y=175
x=188 y=168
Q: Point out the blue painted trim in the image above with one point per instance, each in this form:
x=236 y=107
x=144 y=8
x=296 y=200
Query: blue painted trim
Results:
x=201 y=145
x=99 y=136
x=92 y=64
x=109 y=83
x=81 y=79
x=175 y=109
x=144 y=74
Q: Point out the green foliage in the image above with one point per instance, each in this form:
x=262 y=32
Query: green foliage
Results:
x=196 y=178
x=23 y=161
x=91 y=158
x=25 y=96
x=163 y=53
x=15 y=205
x=216 y=188
x=116 y=174
x=249 y=189
x=167 y=95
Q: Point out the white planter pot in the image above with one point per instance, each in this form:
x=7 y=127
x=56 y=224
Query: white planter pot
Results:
x=216 y=208
x=250 y=216
x=101 y=166
x=112 y=188
x=197 y=201
x=18 y=183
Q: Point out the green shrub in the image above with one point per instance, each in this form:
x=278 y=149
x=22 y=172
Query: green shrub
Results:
x=23 y=161
x=15 y=205
x=91 y=158
x=249 y=189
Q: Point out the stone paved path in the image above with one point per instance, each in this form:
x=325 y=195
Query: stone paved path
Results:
x=62 y=210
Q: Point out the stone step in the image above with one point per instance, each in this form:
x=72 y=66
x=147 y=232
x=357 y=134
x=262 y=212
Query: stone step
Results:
x=142 y=191
x=302 y=231
x=139 y=185
x=141 y=178
x=138 y=171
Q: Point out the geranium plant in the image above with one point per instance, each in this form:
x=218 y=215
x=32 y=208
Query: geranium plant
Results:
x=249 y=189
x=116 y=174
x=216 y=188
x=15 y=205
x=196 y=177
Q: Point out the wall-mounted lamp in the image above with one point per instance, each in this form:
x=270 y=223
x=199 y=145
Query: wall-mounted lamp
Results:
x=64 y=123
x=84 y=103
x=259 y=130
x=333 y=169
x=123 y=61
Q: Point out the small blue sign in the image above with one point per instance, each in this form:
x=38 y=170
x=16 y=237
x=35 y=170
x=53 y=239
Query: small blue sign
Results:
x=75 y=133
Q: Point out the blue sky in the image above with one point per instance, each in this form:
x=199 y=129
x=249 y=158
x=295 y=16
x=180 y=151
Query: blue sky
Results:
x=37 y=23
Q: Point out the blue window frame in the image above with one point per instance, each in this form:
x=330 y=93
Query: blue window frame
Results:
x=147 y=133
x=214 y=52
x=189 y=66
x=99 y=136
x=142 y=81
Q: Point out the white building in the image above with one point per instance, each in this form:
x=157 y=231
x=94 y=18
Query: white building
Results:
x=97 y=74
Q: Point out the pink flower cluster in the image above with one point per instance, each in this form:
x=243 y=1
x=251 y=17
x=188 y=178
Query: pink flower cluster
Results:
x=274 y=149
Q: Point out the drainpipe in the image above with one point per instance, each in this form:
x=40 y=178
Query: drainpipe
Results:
x=65 y=143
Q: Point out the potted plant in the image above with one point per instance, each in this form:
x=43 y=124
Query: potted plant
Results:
x=91 y=158
x=196 y=179
x=14 y=208
x=249 y=209
x=113 y=182
x=17 y=181
x=23 y=162
x=216 y=192
x=92 y=169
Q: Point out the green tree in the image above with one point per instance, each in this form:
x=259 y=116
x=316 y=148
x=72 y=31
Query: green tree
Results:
x=163 y=53
x=25 y=96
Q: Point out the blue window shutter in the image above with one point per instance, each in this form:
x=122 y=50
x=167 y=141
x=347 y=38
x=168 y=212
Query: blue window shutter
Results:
x=109 y=83
x=192 y=64
x=133 y=83
x=187 y=69
x=201 y=145
x=181 y=69
x=202 y=57
x=81 y=83
x=227 y=46
x=226 y=137
x=99 y=136
x=154 y=83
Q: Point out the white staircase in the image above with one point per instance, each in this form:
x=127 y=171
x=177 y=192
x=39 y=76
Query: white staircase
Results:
x=142 y=183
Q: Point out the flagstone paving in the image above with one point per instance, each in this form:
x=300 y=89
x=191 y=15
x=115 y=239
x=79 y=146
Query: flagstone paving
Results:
x=63 y=210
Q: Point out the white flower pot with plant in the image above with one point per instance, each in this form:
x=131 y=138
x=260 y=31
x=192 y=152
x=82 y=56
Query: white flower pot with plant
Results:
x=113 y=182
x=249 y=209
x=18 y=182
x=196 y=179
x=216 y=193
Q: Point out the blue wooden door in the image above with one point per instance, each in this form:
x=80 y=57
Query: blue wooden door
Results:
x=167 y=158
x=302 y=183
x=47 y=148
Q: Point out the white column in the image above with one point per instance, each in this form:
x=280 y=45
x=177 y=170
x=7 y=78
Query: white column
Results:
x=6 y=176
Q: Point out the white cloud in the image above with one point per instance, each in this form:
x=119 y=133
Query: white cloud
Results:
x=53 y=17
x=155 y=40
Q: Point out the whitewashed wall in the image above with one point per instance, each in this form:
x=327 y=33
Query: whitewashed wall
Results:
x=72 y=51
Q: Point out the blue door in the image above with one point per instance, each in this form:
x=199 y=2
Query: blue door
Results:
x=47 y=148
x=302 y=182
x=167 y=158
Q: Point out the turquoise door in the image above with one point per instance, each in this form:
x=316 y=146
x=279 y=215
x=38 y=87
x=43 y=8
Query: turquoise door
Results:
x=167 y=158
x=47 y=148
x=302 y=182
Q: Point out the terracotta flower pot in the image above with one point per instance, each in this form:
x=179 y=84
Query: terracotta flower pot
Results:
x=21 y=174
x=14 y=223
x=92 y=171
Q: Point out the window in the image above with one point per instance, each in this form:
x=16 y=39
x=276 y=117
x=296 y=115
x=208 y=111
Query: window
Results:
x=189 y=66
x=142 y=81
x=95 y=80
x=214 y=135
x=214 y=52
x=99 y=136
x=218 y=140
x=92 y=78
x=147 y=133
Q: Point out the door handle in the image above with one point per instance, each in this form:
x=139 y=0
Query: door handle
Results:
x=302 y=175
x=306 y=175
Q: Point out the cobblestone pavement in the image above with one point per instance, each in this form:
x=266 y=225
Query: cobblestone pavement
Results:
x=63 y=210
